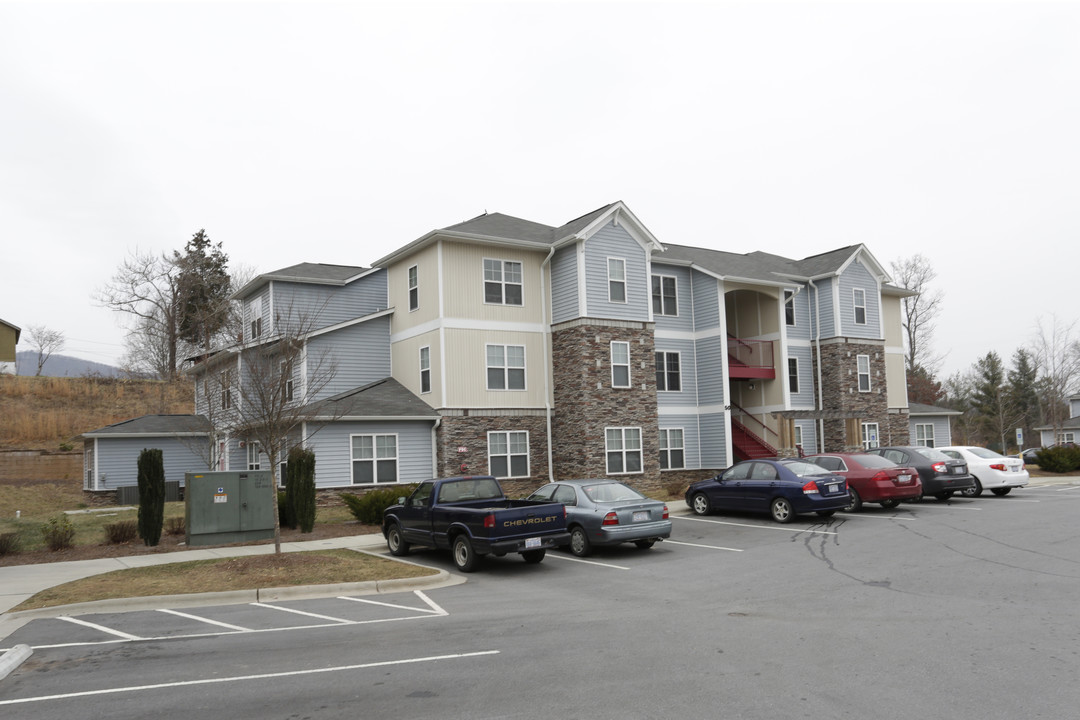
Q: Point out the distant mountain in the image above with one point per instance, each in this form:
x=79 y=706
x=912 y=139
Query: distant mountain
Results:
x=63 y=366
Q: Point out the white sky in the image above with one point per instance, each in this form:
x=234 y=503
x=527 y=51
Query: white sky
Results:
x=337 y=132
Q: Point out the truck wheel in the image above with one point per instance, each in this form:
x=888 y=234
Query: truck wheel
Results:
x=465 y=557
x=395 y=542
x=534 y=556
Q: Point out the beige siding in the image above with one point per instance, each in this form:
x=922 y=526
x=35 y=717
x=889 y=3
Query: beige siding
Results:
x=896 y=377
x=466 y=373
x=463 y=266
x=892 y=319
x=405 y=356
x=427 y=266
x=751 y=313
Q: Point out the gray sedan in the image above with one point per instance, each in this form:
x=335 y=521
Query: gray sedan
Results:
x=606 y=512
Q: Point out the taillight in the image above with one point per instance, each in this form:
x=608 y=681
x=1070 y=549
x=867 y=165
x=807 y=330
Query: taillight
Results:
x=881 y=475
x=489 y=521
x=665 y=513
x=611 y=519
x=998 y=466
x=810 y=488
x=940 y=467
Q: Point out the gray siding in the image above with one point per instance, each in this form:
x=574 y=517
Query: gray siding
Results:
x=706 y=299
x=614 y=242
x=564 y=285
x=809 y=436
x=687 y=396
x=118 y=459
x=805 y=397
x=333 y=450
x=711 y=382
x=318 y=306
x=713 y=442
x=858 y=277
x=942 y=429
x=802 y=330
x=691 y=438
x=822 y=302
x=684 y=299
x=360 y=355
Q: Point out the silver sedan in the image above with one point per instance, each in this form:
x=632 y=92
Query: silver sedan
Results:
x=606 y=512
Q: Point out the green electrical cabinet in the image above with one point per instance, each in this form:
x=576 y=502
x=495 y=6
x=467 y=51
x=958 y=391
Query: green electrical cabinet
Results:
x=228 y=507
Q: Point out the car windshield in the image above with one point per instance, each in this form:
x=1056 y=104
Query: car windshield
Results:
x=874 y=461
x=611 y=492
x=804 y=469
x=984 y=453
x=932 y=454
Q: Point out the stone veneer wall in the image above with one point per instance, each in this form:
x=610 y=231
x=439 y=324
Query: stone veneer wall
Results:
x=470 y=432
x=586 y=404
x=899 y=432
x=840 y=391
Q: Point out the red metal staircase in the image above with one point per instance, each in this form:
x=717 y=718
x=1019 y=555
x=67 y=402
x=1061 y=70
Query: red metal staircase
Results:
x=747 y=445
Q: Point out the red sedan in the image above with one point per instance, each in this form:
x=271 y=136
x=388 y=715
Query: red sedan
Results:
x=872 y=478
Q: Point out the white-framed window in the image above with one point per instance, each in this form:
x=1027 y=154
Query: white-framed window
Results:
x=668 y=372
x=425 y=369
x=789 y=308
x=863 y=367
x=672 y=453
x=225 y=381
x=924 y=435
x=620 y=364
x=870 y=436
x=286 y=381
x=374 y=459
x=254 y=455
x=616 y=280
x=502 y=282
x=223 y=455
x=508 y=454
x=623 y=449
x=505 y=367
x=860 y=306
x=793 y=375
x=798 y=436
x=1066 y=437
x=414 y=287
x=664 y=295
x=255 y=311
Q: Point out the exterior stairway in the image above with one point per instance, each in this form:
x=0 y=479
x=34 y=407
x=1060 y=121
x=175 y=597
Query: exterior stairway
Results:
x=746 y=445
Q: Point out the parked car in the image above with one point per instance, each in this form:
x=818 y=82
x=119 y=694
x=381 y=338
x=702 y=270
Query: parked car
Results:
x=941 y=475
x=992 y=471
x=871 y=478
x=781 y=488
x=1030 y=455
x=606 y=512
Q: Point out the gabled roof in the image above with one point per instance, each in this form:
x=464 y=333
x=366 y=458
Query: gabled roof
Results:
x=921 y=409
x=154 y=426
x=383 y=399
x=310 y=273
x=16 y=328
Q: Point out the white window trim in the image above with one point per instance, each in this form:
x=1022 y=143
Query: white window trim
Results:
x=867 y=443
x=918 y=440
x=420 y=360
x=506 y=369
x=640 y=451
x=502 y=274
x=256 y=462
x=409 y=277
x=375 y=458
x=629 y=378
x=626 y=295
x=674 y=278
x=665 y=353
x=509 y=455
x=856 y=305
x=859 y=374
x=798 y=435
x=665 y=433
x=255 y=313
x=789 y=300
x=794 y=391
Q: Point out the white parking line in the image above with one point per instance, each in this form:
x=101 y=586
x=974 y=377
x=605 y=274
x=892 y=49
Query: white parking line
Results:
x=435 y=609
x=1070 y=487
x=102 y=628
x=242 y=678
x=759 y=527
x=709 y=547
x=300 y=612
x=208 y=621
x=590 y=562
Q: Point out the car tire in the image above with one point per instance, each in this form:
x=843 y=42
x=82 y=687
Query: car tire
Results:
x=890 y=504
x=856 y=502
x=644 y=544
x=465 y=557
x=534 y=556
x=943 y=496
x=700 y=504
x=1001 y=492
x=579 y=542
x=781 y=510
x=395 y=542
x=973 y=492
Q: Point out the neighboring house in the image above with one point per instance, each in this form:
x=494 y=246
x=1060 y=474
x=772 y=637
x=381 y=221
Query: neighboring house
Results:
x=9 y=338
x=931 y=426
x=530 y=352
x=1069 y=432
x=111 y=453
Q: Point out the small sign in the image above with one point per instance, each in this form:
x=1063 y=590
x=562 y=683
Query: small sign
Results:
x=1020 y=437
x=221 y=498
x=462 y=449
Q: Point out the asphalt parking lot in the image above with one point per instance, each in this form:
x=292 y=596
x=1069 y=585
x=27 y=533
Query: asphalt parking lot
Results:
x=965 y=608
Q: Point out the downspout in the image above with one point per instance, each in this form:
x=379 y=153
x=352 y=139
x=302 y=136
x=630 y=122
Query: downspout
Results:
x=817 y=349
x=435 y=447
x=548 y=360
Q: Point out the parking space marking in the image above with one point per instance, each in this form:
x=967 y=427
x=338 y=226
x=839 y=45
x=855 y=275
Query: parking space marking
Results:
x=759 y=527
x=101 y=628
x=300 y=612
x=1070 y=487
x=434 y=608
x=590 y=562
x=709 y=547
x=208 y=621
x=243 y=678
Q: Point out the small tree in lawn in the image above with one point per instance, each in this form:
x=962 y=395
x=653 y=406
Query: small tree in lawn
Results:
x=151 y=495
x=300 y=489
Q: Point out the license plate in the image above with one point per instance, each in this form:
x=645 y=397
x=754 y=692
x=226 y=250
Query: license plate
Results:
x=641 y=516
x=833 y=487
x=903 y=478
x=958 y=471
x=532 y=543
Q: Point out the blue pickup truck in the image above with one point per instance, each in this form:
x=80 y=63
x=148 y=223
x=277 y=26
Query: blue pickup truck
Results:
x=472 y=517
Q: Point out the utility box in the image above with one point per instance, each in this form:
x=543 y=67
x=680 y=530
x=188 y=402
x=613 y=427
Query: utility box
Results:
x=228 y=507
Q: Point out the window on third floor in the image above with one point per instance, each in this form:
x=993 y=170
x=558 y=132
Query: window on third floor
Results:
x=860 y=306
x=502 y=282
x=616 y=275
x=664 y=295
x=414 y=288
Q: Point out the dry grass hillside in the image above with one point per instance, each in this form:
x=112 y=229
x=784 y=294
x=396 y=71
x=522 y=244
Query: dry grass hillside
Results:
x=47 y=413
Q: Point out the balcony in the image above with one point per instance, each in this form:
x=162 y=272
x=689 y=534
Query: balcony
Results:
x=749 y=359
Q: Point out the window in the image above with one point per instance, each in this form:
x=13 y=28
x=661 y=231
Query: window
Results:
x=502 y=282
x=225 y=380
x=374 y=459
x=793 y=375
x=623 y=446
x=664 y=296
x=668 y=375
x=924 y=435
x=425 y=369
x=1066 y=437
x=789 y=308
x=870 y=436
x=860 y=307
x=222 y=455
x=863 y=362
x=506 y=367
x=672 y=456
x=254 y=461
x=255 y=313
x=830 y=463
x=620 y=364
x=286 y=381
x=508 y=454
x=414 y=288
x=616 y=280
x=798 y=436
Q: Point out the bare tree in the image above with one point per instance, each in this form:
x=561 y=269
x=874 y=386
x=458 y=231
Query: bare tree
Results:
x=44 y=342
x=920 y=311
x=1057 y=353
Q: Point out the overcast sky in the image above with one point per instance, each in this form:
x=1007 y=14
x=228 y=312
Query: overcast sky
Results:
x=337 y=132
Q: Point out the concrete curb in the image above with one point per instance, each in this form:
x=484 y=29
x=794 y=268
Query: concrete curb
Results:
x=13 y=658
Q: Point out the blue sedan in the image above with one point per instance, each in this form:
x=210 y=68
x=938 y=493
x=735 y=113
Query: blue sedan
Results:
x=781 y=488
x=606 y=512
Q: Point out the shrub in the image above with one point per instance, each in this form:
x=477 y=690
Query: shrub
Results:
x=300 y=488
x=175 y=526
x=283 y=511
x=1059 y=459
x=368 y=508
x=122 y=531
x=10 y=543
x=151 y=495
x=58 y=533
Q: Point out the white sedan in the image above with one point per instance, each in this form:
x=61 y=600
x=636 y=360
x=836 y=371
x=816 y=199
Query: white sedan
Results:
x=994 y=472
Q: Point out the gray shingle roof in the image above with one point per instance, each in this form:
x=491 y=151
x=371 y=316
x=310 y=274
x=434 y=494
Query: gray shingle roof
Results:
x=305 y=272
x=921 y=409
x=155 y=425
x=383 y=398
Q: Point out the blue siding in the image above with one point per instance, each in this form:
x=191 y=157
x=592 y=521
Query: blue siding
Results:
x=802 y=330
x=684 y=321
x=823 y=303
x=706 y=298
x=809 y=436
x=691 y=439
x=713 y=442
x=614 y=242
x=711 y=382
x=318 y=306
x=333 y=450
x=858 y=277
x=942 y=429
x=805 y=397
x=360 y=354
x=687 y=396
x=118 y=459
x=564 y=285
